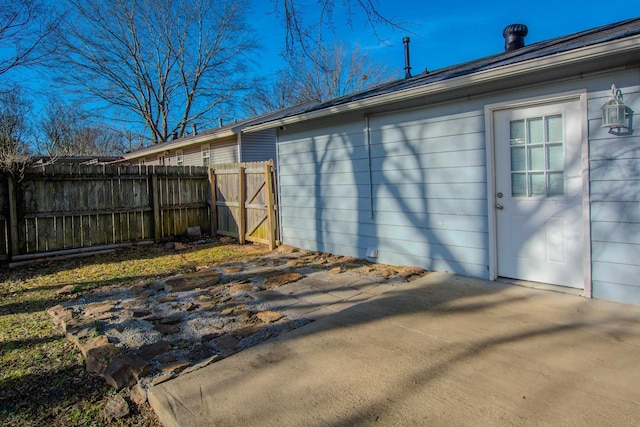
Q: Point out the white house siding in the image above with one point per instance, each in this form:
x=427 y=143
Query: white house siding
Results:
x=259 y=146
x=428 y=181
x=615 y=197
x=226 y=152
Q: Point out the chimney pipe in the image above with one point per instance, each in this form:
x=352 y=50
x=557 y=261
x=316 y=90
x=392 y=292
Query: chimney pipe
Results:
x=220 y=122
x=194 y=129
x=514 y=35
x=407 y=62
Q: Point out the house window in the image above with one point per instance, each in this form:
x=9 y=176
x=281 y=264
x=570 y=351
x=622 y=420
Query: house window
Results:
x=179 y=158
x=537 y=156
x=142 y=162
x=205 y=155
x=161 y=160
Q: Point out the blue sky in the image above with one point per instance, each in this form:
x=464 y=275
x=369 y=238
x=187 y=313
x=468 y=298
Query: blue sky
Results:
x=445 y=33
x=442 y=33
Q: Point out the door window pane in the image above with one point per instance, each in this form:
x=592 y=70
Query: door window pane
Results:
x=555 y=157
x=536 y=184
x=554 y=128
x=535 y=130
x=556 y=184
x=518 y=185
x=516 y=132
x=518 y=159
x=537 y=156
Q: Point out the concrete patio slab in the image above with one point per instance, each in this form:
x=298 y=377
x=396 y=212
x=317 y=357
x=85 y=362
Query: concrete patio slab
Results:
x=442 y=350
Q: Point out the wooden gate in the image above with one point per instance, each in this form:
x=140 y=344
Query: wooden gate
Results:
x=244 y=195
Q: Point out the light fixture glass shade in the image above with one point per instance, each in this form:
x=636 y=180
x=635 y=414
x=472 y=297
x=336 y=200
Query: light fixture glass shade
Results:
x=614 y=112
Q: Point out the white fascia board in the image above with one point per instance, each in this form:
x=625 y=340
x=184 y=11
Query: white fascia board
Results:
x=174 y=145
x=538 y=65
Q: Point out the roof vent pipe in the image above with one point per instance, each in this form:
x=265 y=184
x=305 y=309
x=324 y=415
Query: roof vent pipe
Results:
x=514 y=35
x=220 y=122
x=194 y=129
x=407 y=62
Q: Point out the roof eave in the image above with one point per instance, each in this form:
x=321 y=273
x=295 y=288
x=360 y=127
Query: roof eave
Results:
x=539 y=66
x=181 y=143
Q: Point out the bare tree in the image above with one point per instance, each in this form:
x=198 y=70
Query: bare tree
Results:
x=14 y=128
x=165 y=62
x=304 y=35
x=24 y=27
x=66 y=130
x=334 y=72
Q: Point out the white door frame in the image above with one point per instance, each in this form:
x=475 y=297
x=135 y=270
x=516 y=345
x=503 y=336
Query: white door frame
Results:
x=489 y=110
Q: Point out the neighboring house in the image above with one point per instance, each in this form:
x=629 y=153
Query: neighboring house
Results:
x=83 y=160
x=495 y=168
x=225 y=144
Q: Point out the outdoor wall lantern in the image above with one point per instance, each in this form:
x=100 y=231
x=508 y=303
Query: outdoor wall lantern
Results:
x=614 y=112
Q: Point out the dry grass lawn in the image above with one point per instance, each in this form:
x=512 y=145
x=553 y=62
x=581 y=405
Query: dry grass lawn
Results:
x=42 y=376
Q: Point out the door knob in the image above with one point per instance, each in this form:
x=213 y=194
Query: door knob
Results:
x=499 y=206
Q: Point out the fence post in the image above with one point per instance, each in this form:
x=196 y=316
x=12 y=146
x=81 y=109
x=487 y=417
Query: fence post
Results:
x=155 y=199
x=214 y=201
x=242 y=227
x=268 y=181
x=13 y=217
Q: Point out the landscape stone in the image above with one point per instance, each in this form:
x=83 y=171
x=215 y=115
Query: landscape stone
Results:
x=202 y=279
x=98 y=358
x=246 y=330
x=201 y=352
x=230 y=296
x=161 y=379
x=81 y=334
x=269 y=316
x=63 y=317
x=144 y=295
x=140 y=313
x=175 y=366
x=205 y=362
x=233 y=269
x=167 y=298
x=180 y=246
x=156 y=286
x=115 y=408
x=149 y=351
x=227 y=342
x=137 y=289
x=95 y=309
x=171 y=320
x=138 y=395
x=277 y=279
x=66 y=290
x=336 y=270
x=241 y=287
x=166 y=358
x=287 y=249
x=167 y=329
x=125 y=370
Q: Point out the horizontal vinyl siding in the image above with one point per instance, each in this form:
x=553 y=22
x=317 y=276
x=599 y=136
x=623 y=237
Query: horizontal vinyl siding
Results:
x=226 y=152
x=615 y=202
x=428 y=181
x=259 y=146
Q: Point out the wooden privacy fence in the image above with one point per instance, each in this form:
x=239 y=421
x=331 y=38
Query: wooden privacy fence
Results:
x=244 y=196
x=71 y=208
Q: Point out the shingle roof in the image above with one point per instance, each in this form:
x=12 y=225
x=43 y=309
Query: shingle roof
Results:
x=233 y=127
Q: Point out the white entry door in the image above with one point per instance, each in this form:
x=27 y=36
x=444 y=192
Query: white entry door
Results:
x=538 y=195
